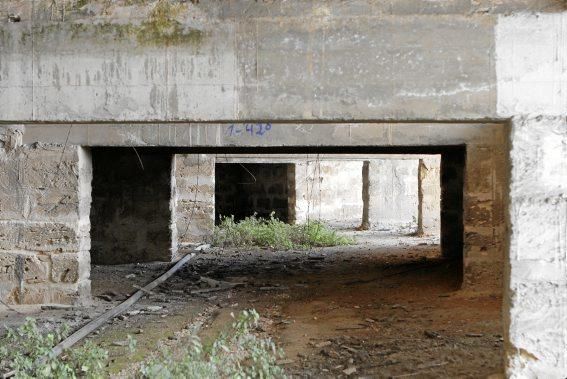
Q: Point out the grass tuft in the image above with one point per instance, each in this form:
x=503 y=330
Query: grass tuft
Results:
x=276 y=234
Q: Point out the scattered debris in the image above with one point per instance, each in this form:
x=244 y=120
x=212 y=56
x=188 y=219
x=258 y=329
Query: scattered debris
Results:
x=53 y=307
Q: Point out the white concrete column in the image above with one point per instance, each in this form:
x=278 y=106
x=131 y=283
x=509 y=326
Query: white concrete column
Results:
x=537 y=289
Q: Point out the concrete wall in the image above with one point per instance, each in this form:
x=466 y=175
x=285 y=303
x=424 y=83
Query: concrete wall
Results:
x=532 y=88
x=392 y=195
x=429 y=196
x=432 y=60
x=500 y=62
x=329 y=191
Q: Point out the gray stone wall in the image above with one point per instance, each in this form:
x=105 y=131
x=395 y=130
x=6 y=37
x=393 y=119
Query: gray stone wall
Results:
x=367 y=62
x=192 y=200
x=44 y=224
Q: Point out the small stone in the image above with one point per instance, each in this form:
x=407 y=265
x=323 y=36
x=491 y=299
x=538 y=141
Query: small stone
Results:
x=430 y=334
x=349 y=371
x=474 y=335
x=323 y=344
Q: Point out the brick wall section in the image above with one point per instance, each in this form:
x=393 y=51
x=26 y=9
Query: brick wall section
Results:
x=192 y=200
x=44 y=228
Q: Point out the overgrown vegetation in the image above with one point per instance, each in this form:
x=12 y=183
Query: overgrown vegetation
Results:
x=257 y=231
x=237 y=353
x=26 y=351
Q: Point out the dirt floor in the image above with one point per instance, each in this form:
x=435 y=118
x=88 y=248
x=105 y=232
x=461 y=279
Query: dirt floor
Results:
x=387 y=307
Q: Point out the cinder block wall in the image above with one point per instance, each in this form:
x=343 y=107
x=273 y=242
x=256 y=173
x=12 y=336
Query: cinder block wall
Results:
x=242 y=189
x=192 y=200
x=44 y=221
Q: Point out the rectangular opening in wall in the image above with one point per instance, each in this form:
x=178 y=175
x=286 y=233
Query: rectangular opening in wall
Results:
x=391 y=286
x=247 y=189
x=130 y=210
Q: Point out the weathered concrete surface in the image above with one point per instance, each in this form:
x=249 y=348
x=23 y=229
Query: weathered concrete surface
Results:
x=392 y=195
x=532 y=56
x=304 y=65
x=429 y=196
x=532 y=87
x=329 y=191
x=537 y=322
x=486 y=166
x=44 y=227
x=192 y=200
x=315 y=60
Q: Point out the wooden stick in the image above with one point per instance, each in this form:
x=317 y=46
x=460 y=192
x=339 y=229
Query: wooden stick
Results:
x=102 y=319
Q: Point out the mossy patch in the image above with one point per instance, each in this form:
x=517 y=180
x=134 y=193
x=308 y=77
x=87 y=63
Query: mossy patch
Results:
x=163 y=28
x=159 y=29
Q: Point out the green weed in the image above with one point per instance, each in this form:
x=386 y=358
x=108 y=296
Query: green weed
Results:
x=237 y=353
x=22 y=350
x=276 y=234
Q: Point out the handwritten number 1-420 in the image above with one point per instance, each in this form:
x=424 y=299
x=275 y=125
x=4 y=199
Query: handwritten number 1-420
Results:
x=252 y=129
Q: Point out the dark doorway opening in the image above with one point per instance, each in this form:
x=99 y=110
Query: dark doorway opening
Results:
x=242 y=190
x=130 y=210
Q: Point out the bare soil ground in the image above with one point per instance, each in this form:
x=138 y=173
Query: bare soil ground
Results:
x=387 y=307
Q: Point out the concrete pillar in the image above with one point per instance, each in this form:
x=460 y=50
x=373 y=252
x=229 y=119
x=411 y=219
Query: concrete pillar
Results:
x=429 y=194
x=291 y=194
x=44 y=227
x=192 y=200
x=390 y=194
x=452 y=188
x=365 y=224
x=536 y=292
